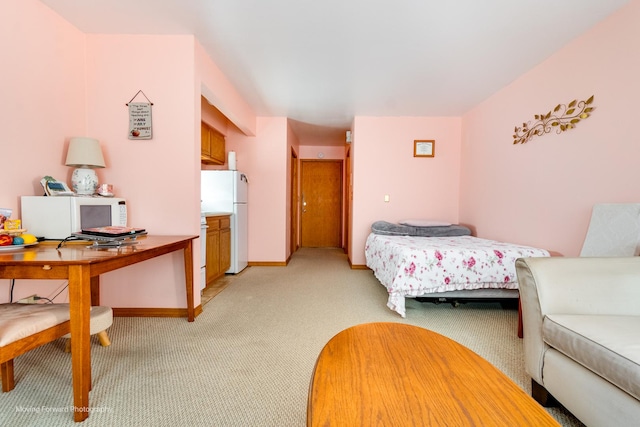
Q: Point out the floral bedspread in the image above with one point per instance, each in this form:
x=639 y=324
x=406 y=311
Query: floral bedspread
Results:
x=414 y=266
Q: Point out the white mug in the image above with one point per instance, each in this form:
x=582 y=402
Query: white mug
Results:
x=105 y=189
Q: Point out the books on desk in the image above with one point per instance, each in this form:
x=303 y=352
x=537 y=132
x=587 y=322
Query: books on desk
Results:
x=110 y=236
x=113 y=231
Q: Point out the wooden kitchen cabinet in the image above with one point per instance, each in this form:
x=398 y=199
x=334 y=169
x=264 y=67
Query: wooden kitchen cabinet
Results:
x=212 y=145
x=218 y=257
x=205 y=145
x=225 y=247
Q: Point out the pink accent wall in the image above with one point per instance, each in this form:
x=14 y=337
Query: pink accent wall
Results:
x=541 y=193
x=329 y=152
x=264 y=158
x=43 y=104
x=64 y=83
x=213 y=117
x=159 y=177
x=217 y=89
x=383 y=163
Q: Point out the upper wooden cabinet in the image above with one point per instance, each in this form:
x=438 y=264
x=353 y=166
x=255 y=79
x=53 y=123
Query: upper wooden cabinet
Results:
x=205 y=146
x=212 y=148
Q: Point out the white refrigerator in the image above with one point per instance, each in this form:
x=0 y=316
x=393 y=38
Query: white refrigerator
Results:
x=226 y=191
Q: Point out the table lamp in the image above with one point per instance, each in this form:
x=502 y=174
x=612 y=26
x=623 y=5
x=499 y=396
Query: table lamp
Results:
x=85 y=155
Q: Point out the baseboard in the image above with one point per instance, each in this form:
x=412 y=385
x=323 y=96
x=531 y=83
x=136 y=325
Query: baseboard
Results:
x=268 y=264
x=358 y=266
x=154 y=312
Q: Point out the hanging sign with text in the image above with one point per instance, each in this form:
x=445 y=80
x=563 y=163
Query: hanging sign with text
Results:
x=139 y=120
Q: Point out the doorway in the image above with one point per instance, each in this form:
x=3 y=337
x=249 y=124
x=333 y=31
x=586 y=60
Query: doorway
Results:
x=321 y=197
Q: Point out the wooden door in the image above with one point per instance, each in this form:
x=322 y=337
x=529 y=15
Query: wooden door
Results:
x=321 y=217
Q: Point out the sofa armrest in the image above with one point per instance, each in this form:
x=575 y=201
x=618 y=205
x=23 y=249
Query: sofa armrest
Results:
x=560 y=285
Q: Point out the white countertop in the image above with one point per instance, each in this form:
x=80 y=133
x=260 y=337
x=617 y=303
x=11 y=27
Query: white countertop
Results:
x=216 y=213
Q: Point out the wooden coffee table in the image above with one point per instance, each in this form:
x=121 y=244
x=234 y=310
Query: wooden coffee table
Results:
x=394 y=374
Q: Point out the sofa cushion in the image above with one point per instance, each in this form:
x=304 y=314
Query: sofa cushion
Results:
x=607 y=345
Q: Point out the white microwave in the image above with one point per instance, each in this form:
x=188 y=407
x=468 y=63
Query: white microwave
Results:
x=56 y=217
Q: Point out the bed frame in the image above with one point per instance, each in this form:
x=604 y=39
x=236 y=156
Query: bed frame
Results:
x=451 y=269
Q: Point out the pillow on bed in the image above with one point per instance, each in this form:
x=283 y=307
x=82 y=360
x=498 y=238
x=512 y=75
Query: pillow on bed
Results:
x=448 y=231
x=387 y=228
x=424 y=223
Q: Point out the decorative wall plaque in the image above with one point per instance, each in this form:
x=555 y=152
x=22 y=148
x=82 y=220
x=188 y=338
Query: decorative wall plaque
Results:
x=140 y=118
x=562 y=118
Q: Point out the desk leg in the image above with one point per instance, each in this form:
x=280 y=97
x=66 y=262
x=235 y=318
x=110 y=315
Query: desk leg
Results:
x=188 y=276
x=95 y=290
x=79 y=307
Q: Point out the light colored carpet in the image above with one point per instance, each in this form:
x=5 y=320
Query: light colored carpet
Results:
x=248 y=358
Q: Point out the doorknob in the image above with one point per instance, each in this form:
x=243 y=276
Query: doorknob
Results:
x=304 y=204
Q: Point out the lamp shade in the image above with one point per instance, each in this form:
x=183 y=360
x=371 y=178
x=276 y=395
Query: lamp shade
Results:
x=84 y=152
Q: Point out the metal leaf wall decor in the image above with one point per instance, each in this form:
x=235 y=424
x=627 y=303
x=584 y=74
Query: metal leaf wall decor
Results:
x=562 y=118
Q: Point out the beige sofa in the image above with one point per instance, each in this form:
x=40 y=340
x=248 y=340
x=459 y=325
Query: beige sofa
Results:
x=582 y=335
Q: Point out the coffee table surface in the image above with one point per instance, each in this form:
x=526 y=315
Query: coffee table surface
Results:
x=396 y=374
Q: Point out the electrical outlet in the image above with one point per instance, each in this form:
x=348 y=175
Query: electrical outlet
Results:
x=28 y=300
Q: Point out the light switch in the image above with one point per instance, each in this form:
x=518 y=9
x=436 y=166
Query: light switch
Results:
x=386 y=198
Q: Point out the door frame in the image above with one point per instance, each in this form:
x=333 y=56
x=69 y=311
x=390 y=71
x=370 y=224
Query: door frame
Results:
x=295 y=204
x=347 y=198
x=341 y=162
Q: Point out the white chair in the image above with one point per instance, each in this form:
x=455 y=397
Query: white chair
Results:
x=614 y=231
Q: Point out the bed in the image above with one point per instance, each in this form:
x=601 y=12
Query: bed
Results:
x=442 y=262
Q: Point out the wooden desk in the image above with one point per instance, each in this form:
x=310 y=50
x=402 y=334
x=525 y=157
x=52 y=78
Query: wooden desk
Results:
x=82 y=268
x=401 y=375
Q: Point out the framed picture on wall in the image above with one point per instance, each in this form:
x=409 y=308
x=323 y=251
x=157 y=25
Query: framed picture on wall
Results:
x=424 y=148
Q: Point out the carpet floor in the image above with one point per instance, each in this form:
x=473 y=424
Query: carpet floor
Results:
x=248 y=358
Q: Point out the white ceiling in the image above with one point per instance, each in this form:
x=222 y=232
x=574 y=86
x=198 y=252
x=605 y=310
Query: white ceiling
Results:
x=322 y=62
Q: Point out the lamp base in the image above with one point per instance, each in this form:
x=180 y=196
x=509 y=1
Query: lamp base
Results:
x=84 y=181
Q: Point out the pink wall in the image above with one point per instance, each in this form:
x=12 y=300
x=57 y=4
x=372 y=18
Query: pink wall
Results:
x=145 y=171
x=383 y=163
x=43 y=104
x=328 y=152
x=220 y=93
x=69 y=83
x=541 y=193
x=262 y=152
x=264 y=158
x=213 y=117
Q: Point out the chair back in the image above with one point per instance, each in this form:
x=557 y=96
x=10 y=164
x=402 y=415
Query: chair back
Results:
x=614 y=231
